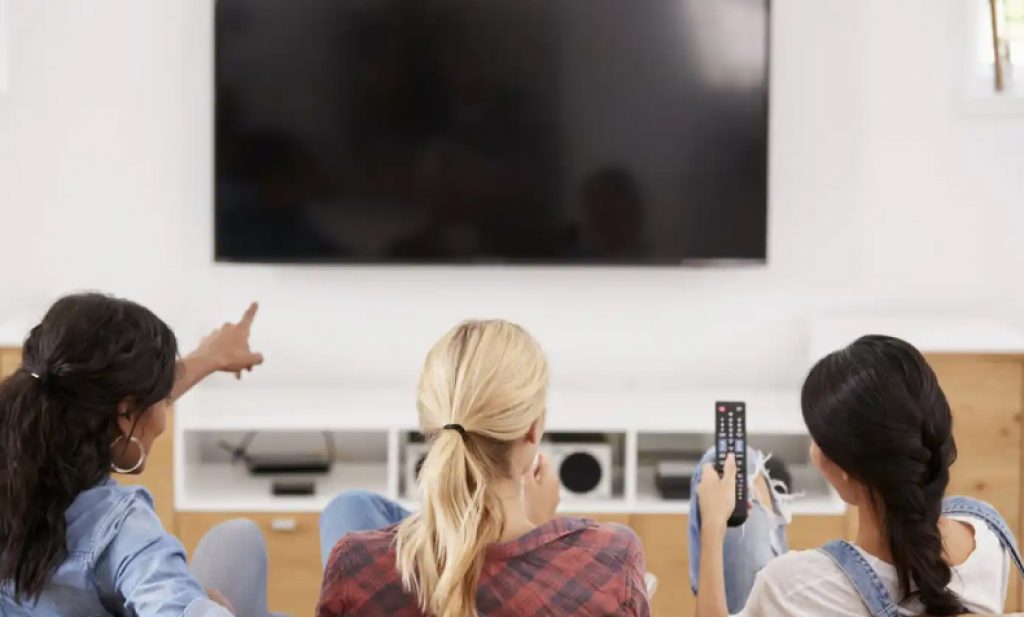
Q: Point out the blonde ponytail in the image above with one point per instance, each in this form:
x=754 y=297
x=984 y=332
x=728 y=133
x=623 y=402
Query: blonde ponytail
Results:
x=490 y=378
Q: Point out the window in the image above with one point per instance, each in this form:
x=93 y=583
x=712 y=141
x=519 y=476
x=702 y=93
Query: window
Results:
x=999 y=37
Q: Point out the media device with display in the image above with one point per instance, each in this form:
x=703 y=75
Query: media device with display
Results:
x=498 y=131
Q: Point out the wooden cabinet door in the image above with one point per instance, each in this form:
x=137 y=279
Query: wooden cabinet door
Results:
x=293 y=545
x=666 y=550
x=985 y=394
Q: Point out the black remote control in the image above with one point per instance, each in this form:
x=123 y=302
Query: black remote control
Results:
x=731 y=436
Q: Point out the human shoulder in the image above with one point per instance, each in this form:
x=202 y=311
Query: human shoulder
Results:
x=611 y=540
x=795 y=569
x=107 y=497
x=361 y=564
x=802 y=583
x=372 y=538
x=100 y=514
x=358 y=549
x=608 y=536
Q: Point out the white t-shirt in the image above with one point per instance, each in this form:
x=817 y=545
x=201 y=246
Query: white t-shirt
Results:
x=809 y=583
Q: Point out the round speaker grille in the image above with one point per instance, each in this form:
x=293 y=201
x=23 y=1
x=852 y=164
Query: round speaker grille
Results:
x=580 y=472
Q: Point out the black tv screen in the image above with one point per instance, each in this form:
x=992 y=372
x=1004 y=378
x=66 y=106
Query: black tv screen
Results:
x=491 y=131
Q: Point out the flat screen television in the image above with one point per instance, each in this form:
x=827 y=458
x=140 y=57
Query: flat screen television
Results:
x=491 y=131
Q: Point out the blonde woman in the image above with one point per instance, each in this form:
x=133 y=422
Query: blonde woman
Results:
x=485 y=540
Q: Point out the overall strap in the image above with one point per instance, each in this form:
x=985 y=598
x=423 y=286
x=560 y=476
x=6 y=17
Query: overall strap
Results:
x=967 y=506
x=863 y=578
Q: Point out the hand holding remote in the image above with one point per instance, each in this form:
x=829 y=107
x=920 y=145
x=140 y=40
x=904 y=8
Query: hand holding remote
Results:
x=731 y=440
x=717 y=494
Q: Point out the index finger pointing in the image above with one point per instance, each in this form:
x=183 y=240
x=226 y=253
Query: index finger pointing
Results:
x=249 y=315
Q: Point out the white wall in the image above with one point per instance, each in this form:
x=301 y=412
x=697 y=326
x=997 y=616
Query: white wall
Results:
x=886 y=196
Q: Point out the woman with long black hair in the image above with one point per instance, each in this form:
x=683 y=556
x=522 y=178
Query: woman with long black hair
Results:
x=882 y=436
x=99 y=375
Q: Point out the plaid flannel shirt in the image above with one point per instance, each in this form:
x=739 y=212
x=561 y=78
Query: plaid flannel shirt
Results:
x=568 y=566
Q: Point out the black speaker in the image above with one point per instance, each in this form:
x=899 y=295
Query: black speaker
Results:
x=584 y=469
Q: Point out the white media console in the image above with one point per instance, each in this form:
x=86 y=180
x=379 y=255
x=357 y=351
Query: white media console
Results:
x=371 y=429
x=372 y=435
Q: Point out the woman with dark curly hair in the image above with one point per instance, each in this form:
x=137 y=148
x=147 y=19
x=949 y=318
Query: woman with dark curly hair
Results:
x=98 y=377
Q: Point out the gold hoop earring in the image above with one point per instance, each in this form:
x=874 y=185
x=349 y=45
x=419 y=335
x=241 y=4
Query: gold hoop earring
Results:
x=137 y=465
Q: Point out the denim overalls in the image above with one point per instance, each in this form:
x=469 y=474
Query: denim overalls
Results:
x=864 y=578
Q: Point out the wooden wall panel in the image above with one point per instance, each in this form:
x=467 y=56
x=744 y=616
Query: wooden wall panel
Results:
x=10 y=360
x=807 y=532
x=985 y=393
x=666 y=549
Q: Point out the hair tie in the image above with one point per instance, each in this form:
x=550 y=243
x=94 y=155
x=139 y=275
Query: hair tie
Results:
x=455 y=427
x=40 y=377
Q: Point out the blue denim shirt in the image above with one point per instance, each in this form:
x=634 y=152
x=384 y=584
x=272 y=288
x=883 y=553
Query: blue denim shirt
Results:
x=120 y=561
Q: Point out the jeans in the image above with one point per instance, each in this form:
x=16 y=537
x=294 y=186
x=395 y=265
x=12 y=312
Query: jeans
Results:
x=747 y=548
x=232 y=558
x=356 y=511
